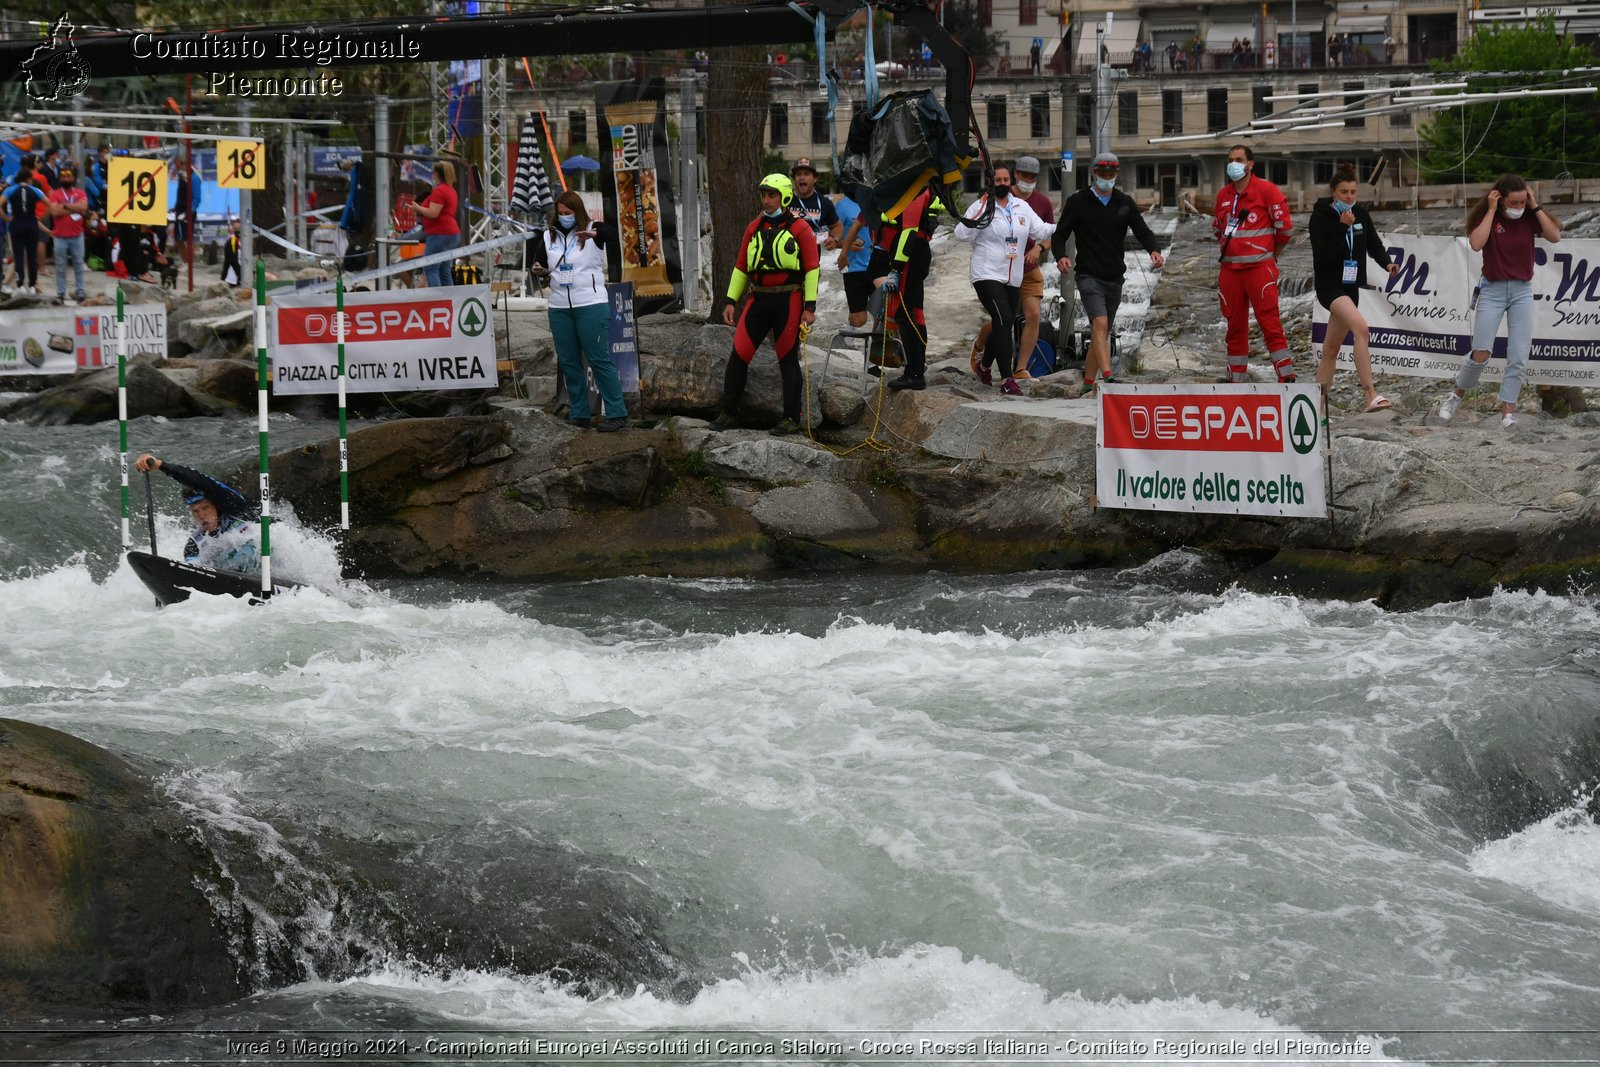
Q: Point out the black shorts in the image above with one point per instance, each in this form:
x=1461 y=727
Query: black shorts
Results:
x=857 y=290
x=1326 y=297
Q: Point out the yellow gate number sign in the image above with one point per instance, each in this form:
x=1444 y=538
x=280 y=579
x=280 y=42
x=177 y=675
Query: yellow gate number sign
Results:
x=241 y=165
x=137 y=191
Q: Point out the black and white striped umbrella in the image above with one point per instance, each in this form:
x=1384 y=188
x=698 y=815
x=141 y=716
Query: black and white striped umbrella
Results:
x=530 y=193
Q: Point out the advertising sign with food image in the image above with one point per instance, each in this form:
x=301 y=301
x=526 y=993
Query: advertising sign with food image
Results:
x=65 y=340
x=641 y=191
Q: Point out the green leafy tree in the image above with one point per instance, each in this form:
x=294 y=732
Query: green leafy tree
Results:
x=962 y=20
x=1540 y=138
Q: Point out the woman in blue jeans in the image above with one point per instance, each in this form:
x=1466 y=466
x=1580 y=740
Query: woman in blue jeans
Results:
x=1502 y=226
x=572 y=256
x=440 y=230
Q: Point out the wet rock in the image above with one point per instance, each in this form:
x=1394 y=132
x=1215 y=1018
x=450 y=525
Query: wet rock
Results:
x=772 y=459
x=231 y=380
x=202 y=333
x=93 y=398
x=99 y=904
x=815 y=512
x=842 y=405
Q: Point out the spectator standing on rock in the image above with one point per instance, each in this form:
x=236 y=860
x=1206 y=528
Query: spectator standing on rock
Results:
x=1032 y=292
x=1251 y=221
x=1502 y=226
x=1342 y=239
x=440 y=230
x=1101 y=216
x=20 y=204
x=998 y=267
x=813 y=206
x=778 y=265
x=855 y=256
x=572 y=255
x=68 y=206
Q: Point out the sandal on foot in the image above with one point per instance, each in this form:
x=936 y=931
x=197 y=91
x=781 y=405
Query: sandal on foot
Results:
x=1379 y=403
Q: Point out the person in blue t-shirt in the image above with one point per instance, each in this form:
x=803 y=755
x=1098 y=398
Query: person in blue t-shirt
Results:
x=855 y=255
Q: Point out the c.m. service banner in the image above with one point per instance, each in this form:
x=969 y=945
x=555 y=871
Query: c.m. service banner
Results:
x=1229 y=449
x=1421 y=318
x=437 y=338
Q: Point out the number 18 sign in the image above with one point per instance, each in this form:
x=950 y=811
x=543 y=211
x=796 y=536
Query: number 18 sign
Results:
x=137 y=191
x=241 y=165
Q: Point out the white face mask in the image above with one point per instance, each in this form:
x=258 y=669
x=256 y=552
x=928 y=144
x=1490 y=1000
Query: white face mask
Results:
x=1514 y=212
x=1026 y=188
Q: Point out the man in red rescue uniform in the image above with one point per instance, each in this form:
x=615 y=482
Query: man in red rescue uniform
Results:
x=777 y=262
x=1251 y=221
x=901 y=259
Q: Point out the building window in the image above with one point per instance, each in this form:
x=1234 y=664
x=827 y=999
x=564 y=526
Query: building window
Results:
x=1189 y=175
x=1055 y=177
x=972 y=179
x=1145 y=176
x=1216 y=110
x=1308 y=87
x=985 y=13
x=779 y=123
x=1356 y=100
x=1322 y=171
x=1085 y=114
x=1027 y=12
x=1128 y=114
x=577 y=128
x=997 y=118
x=1259 y=105
x=1039 y=115
x=820 y=134
x=1400 y=118
x=1278 y=172
x=1172 y=111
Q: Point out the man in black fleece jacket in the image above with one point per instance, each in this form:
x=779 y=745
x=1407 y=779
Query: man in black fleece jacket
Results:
x=1101 y=216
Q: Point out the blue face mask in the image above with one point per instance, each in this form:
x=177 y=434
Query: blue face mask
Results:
x=1105 y=185
x=778 y=214
x=1343 y=208
x=1235 y=171
x=566 y=222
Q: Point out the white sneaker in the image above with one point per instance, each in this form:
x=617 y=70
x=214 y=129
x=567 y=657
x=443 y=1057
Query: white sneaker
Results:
x=1450 y=405
x=1507 y=421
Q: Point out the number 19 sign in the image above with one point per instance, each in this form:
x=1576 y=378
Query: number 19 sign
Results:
x=137 y=192
x=241 y=165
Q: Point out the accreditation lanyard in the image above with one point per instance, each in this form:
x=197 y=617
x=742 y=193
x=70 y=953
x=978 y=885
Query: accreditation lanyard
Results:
x=1352 y=266
x=1233 y=216
x=563 y=269
x=1011 y=232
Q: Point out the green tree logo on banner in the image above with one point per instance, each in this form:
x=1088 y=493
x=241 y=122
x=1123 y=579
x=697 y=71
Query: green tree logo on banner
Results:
x=472 y=318
x=1302 y=424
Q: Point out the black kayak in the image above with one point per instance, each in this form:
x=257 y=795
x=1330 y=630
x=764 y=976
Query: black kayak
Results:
x=172 y=580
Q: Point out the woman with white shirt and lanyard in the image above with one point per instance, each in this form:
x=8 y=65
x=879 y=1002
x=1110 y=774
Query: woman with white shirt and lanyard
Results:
x=572 y=256
x=998 y=267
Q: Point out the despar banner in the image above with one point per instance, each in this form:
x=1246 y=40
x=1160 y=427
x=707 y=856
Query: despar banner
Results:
x=1421 y=318
x=1224 y=449
x=394 y=342
x=636 y=181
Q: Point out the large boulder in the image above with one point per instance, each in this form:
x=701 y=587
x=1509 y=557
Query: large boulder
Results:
x=192 y=308
x=93 y=398
x=233 y=380
x=200 y=333
x=100 y=907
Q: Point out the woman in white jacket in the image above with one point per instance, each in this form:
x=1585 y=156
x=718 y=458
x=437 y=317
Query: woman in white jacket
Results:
x=997 y=269
x=572 y=256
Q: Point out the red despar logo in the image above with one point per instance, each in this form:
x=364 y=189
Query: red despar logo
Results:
x=421 y=321
x=1251 y=422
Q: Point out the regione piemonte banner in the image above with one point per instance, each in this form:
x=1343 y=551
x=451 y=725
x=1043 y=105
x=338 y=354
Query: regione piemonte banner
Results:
x=1226 y=449
x=395 y=342
x=1421 y=318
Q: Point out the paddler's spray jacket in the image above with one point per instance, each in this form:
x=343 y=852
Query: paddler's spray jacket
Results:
x=234 y=512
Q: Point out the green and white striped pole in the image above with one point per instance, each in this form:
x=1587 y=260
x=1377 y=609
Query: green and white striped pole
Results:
x=122 y=415
x=262 y=382
x=344 y=444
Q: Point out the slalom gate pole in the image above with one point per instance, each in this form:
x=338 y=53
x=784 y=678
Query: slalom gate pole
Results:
x=122 y=415
x=262 y=381
x=344 y=442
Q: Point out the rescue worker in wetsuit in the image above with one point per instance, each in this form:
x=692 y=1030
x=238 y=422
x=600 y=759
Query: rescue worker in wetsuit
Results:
x=901 y=259
x=224 y=537
x=778 y=264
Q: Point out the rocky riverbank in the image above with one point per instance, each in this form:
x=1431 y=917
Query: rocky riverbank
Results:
x=500 y=486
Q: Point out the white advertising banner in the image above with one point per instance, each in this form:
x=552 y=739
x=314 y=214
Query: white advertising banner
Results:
x=63 y=340
x=1421 y=318
x=394 y=342
x=1228 y=449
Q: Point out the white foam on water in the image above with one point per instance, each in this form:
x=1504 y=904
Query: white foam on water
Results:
x=923 y=993
x=1556 y=859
